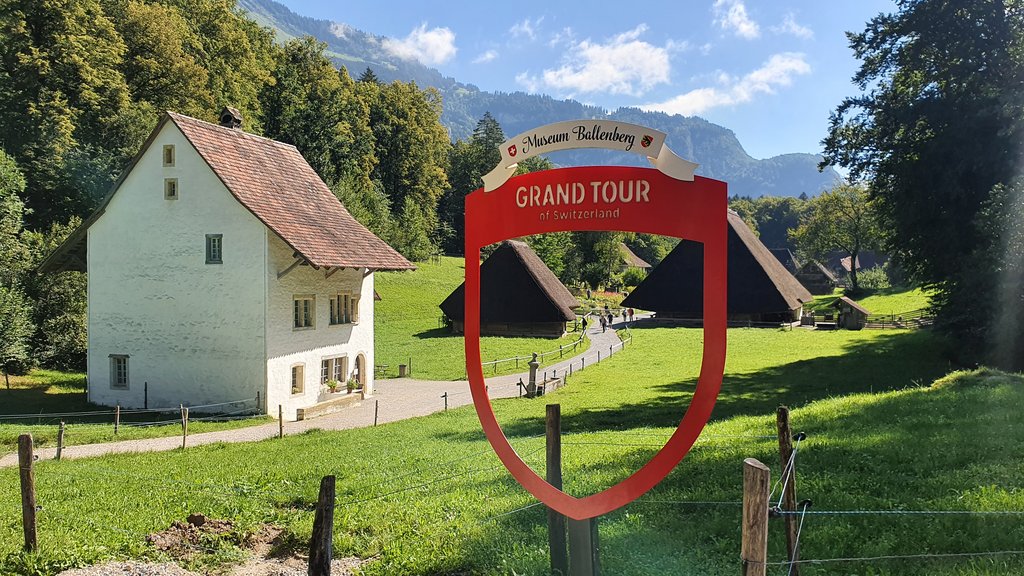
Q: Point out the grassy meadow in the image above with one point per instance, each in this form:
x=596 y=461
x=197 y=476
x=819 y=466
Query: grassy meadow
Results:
x=881 y=301
x=407 y=325
x=887 y=430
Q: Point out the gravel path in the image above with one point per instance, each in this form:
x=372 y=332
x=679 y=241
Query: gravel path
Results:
x=398 y=399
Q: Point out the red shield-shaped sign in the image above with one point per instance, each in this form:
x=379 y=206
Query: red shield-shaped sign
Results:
x=614 y=198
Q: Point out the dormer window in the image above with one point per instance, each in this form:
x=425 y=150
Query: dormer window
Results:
x=168 y=155
x=170 y=188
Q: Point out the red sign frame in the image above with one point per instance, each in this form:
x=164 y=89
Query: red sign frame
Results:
x=612 y=198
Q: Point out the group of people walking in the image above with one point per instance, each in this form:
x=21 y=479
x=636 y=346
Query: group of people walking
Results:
x=607 y=318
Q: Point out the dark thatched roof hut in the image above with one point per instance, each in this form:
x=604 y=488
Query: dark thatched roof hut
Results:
x=760 y=288
x=519 y=296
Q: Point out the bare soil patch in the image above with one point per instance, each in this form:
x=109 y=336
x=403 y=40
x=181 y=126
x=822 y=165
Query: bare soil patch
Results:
x=185 y=540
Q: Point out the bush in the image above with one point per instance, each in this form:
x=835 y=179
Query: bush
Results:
x=632 y=277
x=873 y=278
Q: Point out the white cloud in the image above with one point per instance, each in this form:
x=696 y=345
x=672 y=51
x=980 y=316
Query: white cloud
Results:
x=565 y=35
x=778 y=71
x=529 y=83
x=623 y=65
x=485 y=57
x=340 y=29
x=674 y=46
x=705 y=48
x=431 y=47
x=732 y=15
x=790 y=26
x=525 y=28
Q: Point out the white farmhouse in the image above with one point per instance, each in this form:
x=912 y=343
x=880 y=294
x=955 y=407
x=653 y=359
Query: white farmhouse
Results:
x=222 y=268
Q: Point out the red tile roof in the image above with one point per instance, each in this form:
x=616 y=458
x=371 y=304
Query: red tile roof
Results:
x=274 y=182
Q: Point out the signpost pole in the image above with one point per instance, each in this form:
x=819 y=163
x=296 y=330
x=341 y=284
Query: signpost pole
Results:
x=583 y=548
x=556 y=522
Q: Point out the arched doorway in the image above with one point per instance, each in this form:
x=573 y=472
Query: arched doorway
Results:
x=359 y=373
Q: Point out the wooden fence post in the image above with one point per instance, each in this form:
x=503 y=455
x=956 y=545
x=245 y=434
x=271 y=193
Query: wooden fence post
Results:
x=145 y=395
x=184 y=425
x=376 y=410
x=789 y=484
x=556 y=522
x=754 y=552
x=280 y=421
x=445 y=396
x=320 y=549
x=60 y=440
x=26 y=462
x=117 y=418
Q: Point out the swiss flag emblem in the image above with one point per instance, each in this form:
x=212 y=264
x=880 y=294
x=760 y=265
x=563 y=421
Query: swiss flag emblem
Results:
x=512 y=151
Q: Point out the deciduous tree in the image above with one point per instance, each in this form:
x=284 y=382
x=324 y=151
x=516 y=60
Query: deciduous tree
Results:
x=936 y=128
x=840 y=219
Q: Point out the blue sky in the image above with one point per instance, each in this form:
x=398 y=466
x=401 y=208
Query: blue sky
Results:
x=771 y=72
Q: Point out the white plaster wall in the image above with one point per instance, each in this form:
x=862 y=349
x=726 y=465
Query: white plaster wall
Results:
x=287 y=346
x=193 y=331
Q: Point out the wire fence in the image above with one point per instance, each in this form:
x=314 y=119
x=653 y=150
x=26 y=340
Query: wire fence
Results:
x=249 y=405
x=541 y=356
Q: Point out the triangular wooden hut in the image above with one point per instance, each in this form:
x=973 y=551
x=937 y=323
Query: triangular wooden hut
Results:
x=816 y=278
x=519 y=296
x=760 y=288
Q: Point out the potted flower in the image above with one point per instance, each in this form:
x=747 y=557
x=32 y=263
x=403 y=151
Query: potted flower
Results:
x=351 y=385
x=333 y=385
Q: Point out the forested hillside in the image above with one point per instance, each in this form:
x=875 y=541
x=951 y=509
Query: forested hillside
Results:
x=715 y=148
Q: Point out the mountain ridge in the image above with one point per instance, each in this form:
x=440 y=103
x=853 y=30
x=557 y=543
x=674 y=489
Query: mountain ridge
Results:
x=716 y=148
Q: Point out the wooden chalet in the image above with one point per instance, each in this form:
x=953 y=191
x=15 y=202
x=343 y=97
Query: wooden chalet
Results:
x=519 y=296
x=816 y=278
x=852 y=316
x=760 y=289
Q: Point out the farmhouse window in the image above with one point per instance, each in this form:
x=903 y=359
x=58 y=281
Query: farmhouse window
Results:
x=333 y=369
x=170 y=188
x=303 y=312
x=344 y=308
x=168 y=155
x=214 y=248
x=119 y=371
x=298 y=379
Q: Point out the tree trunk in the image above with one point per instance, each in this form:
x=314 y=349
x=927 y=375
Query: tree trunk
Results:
x=854 y=286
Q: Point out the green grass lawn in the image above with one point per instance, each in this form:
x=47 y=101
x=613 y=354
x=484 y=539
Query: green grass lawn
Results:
x=426 y=496
x=883 y=301
x=895 y=300
x=407 y=327
x=46 y=392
